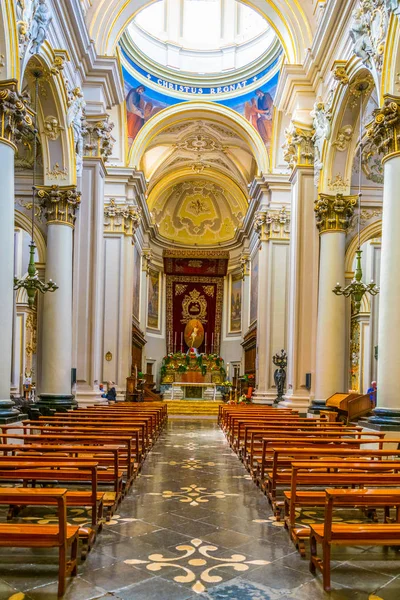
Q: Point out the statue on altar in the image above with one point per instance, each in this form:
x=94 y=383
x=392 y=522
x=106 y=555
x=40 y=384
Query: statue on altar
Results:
x=194 y=333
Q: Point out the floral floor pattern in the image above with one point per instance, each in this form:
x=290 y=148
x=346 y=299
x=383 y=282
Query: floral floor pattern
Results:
x=195 y=527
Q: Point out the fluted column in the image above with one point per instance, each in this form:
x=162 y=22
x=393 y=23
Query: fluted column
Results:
x=120 y=223
x=385 y=132
x=13 y=118
x=333 y=215
x=59 y=206
x=303 y=275
x=273 y=227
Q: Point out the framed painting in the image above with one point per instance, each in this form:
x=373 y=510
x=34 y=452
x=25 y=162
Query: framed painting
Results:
x=235 y=312
x=153 y=299
x=254 y=288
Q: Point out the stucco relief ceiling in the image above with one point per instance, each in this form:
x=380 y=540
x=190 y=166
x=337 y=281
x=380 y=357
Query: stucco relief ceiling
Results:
x=197 y=211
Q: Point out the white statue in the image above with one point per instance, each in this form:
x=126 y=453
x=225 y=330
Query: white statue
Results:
x=322 y=132
x=52 y=128
x=40 y=24
x=393 y=6
x=360 y=36
x=75 y=119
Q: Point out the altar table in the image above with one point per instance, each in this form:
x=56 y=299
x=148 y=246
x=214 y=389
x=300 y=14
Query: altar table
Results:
x=181 y=384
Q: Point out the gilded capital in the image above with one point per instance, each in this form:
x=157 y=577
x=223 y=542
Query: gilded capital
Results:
x=121 y=218
x=384 y=132
x=273 y=224
x=98 y=141
x=334 y=212
x=298 y=149
x=15 y=117
x=59 y=204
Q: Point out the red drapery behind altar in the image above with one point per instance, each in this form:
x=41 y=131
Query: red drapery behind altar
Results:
x=194 y=297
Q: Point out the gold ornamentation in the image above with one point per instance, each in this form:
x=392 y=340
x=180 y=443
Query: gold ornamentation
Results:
x=385 y=129
x=273 y=224
x=244 y=264
x=57 y=173
x=60 y=204
x=15 y=117
x=121 y=218
x=366 y=215
x=195 y=264
x=98 y=141
x=194 y=306
x=338 y=184
x=333 y=213
x=147 y=256
x=52 y=128
x=176 y=253
x=180 y=289
x=197 y=556
x=340 y=73
x=343 y=138
x=298 y=150
x=193 y=495
x=200 y=143
x=209 y=290
x=361 y=85
x=108 y=356
x=368 y=31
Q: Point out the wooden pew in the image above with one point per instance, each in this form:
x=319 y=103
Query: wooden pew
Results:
x=61 y=536
x=352 y=534
x=331 y=473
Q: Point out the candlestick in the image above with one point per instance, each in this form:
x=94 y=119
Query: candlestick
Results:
x=182 y=341
x=205 y=343
x=175 y=342
x=169 y=342
x=212 y=343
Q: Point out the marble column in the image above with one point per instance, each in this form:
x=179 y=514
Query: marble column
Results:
x=88 y=301
x=333 y=215
x=13 y=117
x=385 y=132
x=273 y=227
x=60 y=206
x=120 y=223
x=303 y=276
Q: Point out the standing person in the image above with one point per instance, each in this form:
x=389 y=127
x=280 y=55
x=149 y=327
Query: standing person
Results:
x=372 y=393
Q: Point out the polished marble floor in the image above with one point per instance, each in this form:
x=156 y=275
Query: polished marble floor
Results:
x=195 y=526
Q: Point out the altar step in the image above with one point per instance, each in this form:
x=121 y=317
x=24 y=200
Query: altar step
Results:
x=192 y=407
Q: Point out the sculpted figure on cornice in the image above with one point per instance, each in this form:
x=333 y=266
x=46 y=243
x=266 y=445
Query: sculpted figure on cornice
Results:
x=75 y=119
x=33 y=20
x=52 y=128
x=98 y=138
x=369 y=29
x=343 y=138
x=121 y=218
x=298 y=149
x=322 y=130
x=272 y=224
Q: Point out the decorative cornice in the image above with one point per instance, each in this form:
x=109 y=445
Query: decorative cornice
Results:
x=147 y=256
x=59 y=204
x=14 y=115
x=121 y=218
x=273 y=224
x=244 y=264
x=384 y=132
x=298 y=149
x=98 y=141
x=334 y=212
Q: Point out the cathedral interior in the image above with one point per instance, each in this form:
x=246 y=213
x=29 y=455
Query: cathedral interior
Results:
x=198 y=239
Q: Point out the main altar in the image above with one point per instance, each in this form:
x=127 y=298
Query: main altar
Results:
x=192 y=376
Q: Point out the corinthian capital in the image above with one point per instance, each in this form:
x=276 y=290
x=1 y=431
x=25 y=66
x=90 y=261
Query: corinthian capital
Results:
x=59 y=204
x=334 y=212
x=298 y=149
x=384 y=132
x=98 y=141
x=272 y=224
x=14 y=115
x=121 y=218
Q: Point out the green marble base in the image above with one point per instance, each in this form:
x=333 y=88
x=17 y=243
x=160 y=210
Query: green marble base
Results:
x=384 y=419
x=50 y=403
x=8 y=412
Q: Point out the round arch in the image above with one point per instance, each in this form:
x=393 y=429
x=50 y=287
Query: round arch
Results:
x=197 y=110
x=9 y=40
x=23 y=221
x=369 y=232
x=108 y=19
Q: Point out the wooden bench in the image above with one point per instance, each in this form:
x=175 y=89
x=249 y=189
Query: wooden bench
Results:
x=323 y=474
x=61 y=536
x=351 y=534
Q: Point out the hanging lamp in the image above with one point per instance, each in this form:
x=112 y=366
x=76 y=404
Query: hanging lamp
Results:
x=32 y=284
x=357 y=288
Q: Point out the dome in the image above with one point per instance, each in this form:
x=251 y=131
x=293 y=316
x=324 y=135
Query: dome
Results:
x=201 y=36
